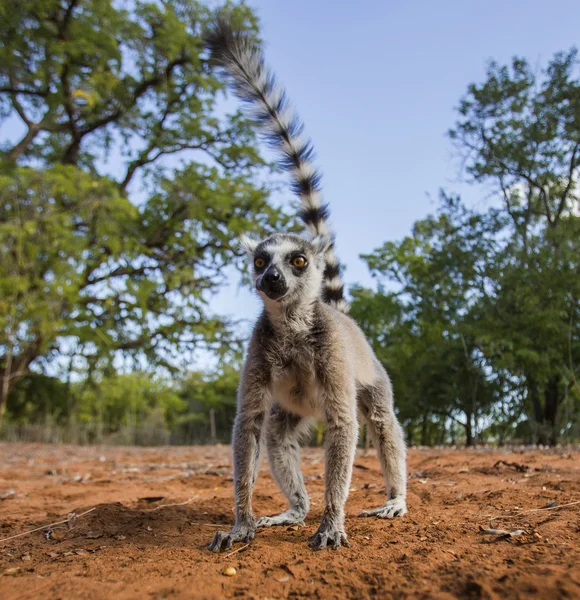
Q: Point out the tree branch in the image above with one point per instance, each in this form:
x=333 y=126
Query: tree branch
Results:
x=118 y=272
x=72 y=152
x=143 y=158
x=17 y=150
x=11 y=89
x=564 y=197
x=63 y=27
x=518 y=173
x=18 y=107
x=141 y=89
x=159 y=236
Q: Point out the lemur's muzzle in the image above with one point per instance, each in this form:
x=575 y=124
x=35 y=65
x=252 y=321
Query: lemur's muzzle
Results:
x=272 y=283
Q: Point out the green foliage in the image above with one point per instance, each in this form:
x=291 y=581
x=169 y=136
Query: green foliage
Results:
x=126 y=400
x=430 y=346
x=484 y=320
x=520 y=131
x=205 y=393
x=109 y=247
x=38 y=398
x=136 y=408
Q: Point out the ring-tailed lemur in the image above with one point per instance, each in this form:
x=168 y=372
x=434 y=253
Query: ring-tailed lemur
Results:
x=306 y=358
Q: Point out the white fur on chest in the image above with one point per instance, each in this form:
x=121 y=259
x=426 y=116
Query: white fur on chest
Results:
x=298 y=394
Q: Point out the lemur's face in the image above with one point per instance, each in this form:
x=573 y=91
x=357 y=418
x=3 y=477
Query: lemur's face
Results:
x=287 y=269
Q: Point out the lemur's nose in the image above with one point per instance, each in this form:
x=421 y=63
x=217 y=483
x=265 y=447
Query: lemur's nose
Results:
x=272 y=275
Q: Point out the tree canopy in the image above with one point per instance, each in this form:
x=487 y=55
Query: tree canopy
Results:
x=480 y=318
x=122 y=199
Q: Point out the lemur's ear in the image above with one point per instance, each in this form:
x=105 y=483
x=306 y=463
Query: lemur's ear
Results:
x=248 y=244
x=321 y=243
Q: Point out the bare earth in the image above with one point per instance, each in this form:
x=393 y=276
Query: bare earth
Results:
x=131 y=546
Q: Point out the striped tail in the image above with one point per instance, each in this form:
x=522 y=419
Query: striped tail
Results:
x=255 y=84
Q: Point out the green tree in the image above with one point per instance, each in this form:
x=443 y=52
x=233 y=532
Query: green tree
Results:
x=520 y=132
x=431 y=346
x=106 y=245
x=136 y=408
x=208 y=396
x=38 y=398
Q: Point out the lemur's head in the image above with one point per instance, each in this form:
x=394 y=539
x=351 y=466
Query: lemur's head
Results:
x=287 y=269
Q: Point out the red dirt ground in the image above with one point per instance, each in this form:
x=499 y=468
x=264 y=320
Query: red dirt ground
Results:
x=127 y=549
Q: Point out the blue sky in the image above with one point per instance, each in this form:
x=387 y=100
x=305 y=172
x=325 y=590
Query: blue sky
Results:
x=377 y=83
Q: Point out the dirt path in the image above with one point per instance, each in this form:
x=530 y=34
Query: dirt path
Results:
x=124 y=549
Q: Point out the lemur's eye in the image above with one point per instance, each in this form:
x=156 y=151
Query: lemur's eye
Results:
x=259 y=263
x=299 y=262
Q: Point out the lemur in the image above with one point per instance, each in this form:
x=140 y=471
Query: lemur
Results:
x=306 y=358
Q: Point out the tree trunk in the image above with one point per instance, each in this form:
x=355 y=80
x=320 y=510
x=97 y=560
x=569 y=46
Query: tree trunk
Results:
x=442 y=434
x=410 y=427
x=538 y=411
x=551 y=404
x=468 y=430
x=546 y=416
x=212 y=426
x=424 y=430
x=3 y=400
x=13 y=369
x=5 y=388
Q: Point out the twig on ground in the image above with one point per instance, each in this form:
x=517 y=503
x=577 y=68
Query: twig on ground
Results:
x=523 y=512
x=501 y=532
x=236 y=551
x=194 y=497
x=71 y=518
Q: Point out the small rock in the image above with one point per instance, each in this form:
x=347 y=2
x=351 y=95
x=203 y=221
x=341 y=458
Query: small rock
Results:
x=94 y=535
x=229 y=571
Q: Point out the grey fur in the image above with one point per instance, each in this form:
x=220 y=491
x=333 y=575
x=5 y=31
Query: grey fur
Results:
x=308 y=360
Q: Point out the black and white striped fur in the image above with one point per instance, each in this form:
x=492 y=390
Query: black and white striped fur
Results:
x=255 y=84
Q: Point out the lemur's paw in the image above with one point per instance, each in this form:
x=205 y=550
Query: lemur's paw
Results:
x=328 y=536
x=396 y=507
x=224 y=540
x=289 y=517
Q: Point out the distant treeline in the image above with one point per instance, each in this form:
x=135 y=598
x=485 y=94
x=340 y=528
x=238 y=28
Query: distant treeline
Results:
x=138 y=409
x=131 y=409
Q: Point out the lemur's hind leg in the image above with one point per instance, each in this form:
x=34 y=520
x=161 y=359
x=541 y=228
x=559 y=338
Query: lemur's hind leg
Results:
x=283 y=432
x=376 y=405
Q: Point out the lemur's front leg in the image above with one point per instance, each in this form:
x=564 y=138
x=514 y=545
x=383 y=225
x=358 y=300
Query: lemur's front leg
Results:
x=341 y=438
x=252 y=403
